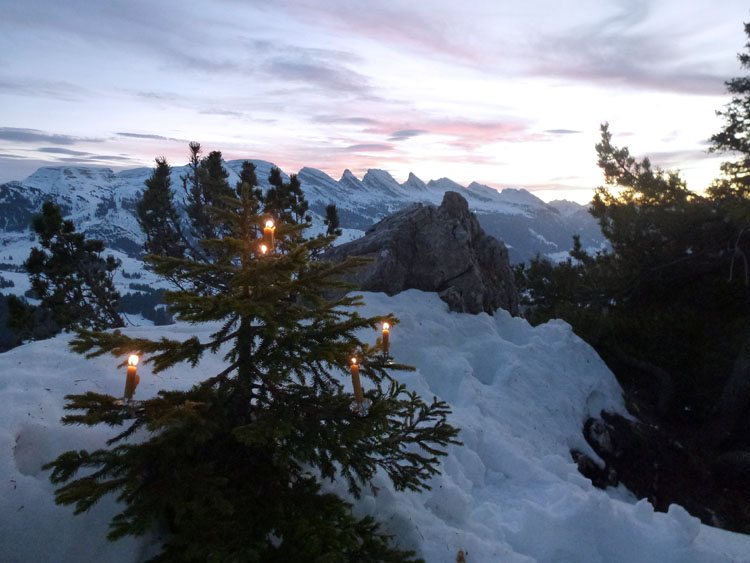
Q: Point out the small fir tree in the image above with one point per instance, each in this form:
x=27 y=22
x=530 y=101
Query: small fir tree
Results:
x=70 y=276
x=733 y=136
x=231 y=468
x=206 y=188
x=286 y=200
x=157 y=214
x=332 y=220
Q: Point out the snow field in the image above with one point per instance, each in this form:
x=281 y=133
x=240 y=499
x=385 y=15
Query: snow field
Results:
x=511 y=493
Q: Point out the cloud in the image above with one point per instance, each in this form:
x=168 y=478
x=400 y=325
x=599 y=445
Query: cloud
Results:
x=369 y=147
x=670 y=160
x=21 y=135
x=562 y=131
x=28 y=86
x=464 y=134
x=109 y=157
x=406 y=134
x=142 y=136
x=54 y=150
x=345 y=120
x=428 y=30
x=161 y=96
x=226 y=112
x=149 y=136
x=617 y=51
x=322 y=75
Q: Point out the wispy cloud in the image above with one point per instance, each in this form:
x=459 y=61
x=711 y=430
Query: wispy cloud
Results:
x=354 y=120
x=617 y=50
x=40 y=88
x=226 y=112
x=562 y=131
x=319 y=74
x=149 y=136
x=368 y=147
x=669 y=160
x=22 y=135
x=406 y=134
x=467 y=134
x=55 y=150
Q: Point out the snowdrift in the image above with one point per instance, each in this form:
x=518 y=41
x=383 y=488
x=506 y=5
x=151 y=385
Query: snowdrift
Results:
x=511 y=493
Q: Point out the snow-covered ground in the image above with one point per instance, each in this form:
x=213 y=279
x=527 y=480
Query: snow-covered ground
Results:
x=511 y=493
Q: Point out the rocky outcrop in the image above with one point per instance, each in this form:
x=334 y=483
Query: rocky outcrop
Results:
x=441 y=249
x=655 y=465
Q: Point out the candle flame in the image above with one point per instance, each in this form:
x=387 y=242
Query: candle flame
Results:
x=133 y=359
x=263 y=248
x=269 y=224
x=386 y=326
x=354 y=361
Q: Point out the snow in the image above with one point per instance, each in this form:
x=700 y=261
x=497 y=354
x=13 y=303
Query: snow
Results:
x=511 y=493
x=567 y=208
x=521 y=197
x=541 y=238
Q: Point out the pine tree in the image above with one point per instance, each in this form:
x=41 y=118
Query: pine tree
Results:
x=69 y=275
x=734 y=135
x=207 y=187
x=232 y=466
x=157 y=214
x=286 y=200
x=332 y=220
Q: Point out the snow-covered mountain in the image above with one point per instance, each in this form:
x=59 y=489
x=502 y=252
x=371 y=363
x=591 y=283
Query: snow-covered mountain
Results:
x=102 y=204
x=511 y=493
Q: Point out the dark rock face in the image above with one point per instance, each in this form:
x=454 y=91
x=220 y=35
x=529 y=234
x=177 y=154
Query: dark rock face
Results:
x=654 y=465
x=441 y=249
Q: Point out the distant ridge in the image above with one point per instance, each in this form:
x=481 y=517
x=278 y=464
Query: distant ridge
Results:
x=102 y=204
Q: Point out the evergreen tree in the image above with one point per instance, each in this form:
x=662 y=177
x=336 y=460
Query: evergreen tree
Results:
x=206 y=188
x=285 y=200
x=332 y=220
x=232 y=466
x=157 y=214
x=668 y=306
x=734 y=135
x=69 y=276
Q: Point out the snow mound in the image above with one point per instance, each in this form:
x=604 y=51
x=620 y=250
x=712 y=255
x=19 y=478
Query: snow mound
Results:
x=511 y=493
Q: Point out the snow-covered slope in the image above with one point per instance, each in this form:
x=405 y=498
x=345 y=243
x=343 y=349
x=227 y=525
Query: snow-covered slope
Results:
x=511 y=493
x=102 y=205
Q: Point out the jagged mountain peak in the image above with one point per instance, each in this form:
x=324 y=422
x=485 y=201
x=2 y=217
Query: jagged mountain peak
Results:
x=446 y=184
x=56 y=178
x=567 y=207
x=350 y=182
x=377 y=174
x=314 y=173
x=521 y=196
x=413 y=183
x=102 y=204
x=382 y=181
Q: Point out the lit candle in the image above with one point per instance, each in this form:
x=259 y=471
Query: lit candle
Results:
x=359 y=396
x=268 y=234
x=386 y=337
x=263 y=249
x=131 y=380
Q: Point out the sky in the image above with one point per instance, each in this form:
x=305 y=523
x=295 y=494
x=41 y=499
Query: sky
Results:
x=505 y=93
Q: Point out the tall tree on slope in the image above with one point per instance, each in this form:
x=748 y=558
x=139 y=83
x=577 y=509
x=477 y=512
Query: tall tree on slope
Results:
x=70 y=277
x=157 y=214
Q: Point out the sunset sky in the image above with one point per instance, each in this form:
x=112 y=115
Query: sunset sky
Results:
x=503 y=93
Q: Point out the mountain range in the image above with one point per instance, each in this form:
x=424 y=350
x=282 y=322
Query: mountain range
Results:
x=102 y=204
